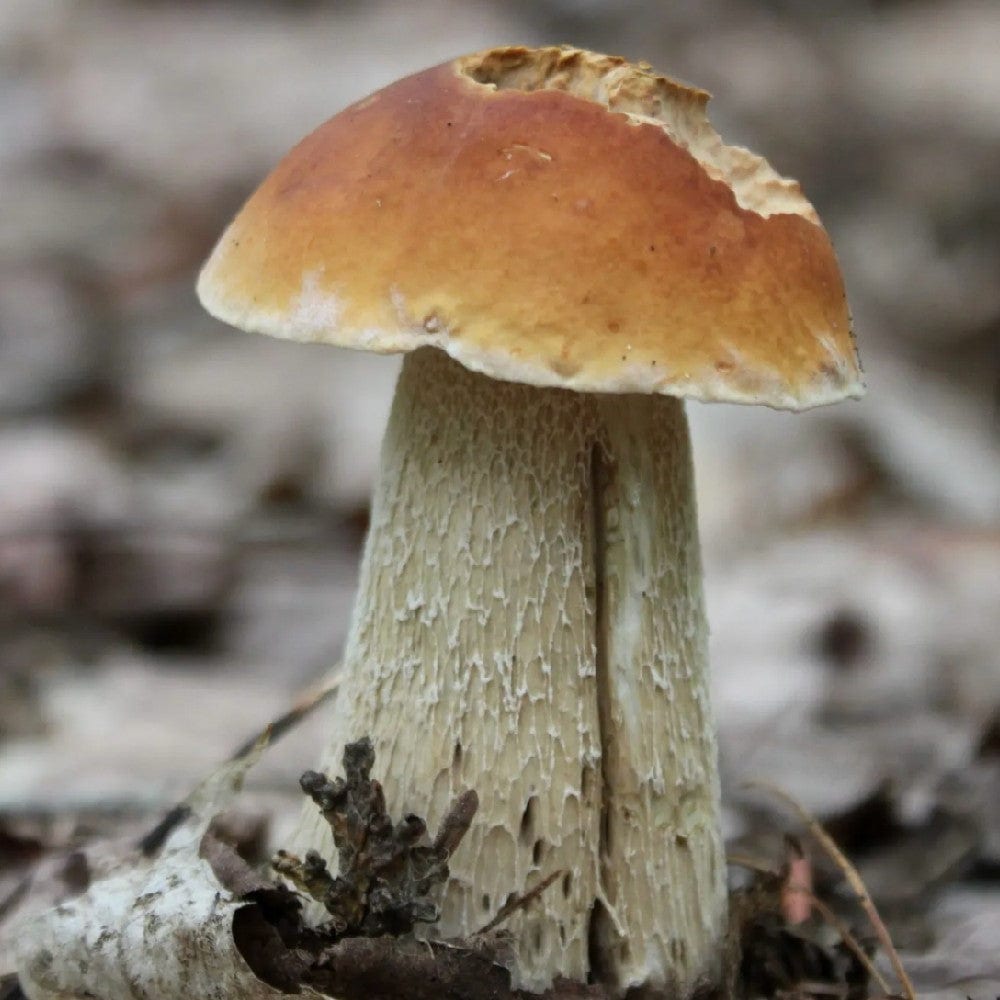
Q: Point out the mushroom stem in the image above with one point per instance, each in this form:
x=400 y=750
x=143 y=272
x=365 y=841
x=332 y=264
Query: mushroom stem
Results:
x=529 y=624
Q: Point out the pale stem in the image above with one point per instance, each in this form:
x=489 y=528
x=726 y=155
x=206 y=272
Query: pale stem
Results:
x=529 y=623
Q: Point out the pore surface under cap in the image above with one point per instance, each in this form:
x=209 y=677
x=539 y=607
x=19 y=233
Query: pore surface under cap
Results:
x=546 y=216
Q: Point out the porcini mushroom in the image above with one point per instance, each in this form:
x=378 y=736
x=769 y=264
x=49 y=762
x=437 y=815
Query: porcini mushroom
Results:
x=567 y=250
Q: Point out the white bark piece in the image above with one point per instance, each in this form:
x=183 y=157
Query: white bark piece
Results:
x=161 y=930
x=530 y=624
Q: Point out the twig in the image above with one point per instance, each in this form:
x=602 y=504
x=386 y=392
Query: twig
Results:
x=853 y=878
x=850 y=941
x=13 y=899
x=151 y=842
x=520 y=902
x=307 y=702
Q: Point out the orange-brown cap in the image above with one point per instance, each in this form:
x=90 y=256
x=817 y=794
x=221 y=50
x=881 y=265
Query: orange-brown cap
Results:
x=549 y=216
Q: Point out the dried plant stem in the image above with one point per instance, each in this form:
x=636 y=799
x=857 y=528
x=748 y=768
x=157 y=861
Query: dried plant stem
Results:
x=306 y=702
x=850 y=941
x=521 y=902
x=853 y=878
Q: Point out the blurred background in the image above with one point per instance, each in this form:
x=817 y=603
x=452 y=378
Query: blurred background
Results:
x=182 y=505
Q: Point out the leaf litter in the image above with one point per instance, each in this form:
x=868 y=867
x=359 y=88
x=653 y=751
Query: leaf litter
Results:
x=199 y=908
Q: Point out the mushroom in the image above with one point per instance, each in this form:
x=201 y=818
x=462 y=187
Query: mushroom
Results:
x=566 y=250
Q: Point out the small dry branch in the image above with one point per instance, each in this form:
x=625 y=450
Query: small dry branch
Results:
x=520 y=901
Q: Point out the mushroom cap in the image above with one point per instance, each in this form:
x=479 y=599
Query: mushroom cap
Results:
x=549 y=216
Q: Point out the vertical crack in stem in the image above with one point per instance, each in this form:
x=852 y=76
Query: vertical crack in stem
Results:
x=599 y=476
x=600 y=481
